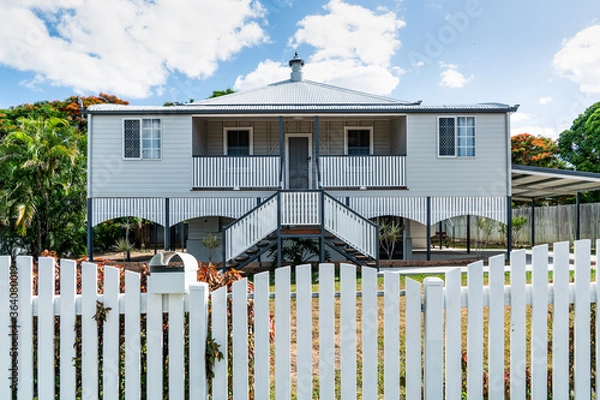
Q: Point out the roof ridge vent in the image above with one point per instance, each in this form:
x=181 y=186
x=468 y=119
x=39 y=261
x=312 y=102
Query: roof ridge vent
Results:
x=296 y=63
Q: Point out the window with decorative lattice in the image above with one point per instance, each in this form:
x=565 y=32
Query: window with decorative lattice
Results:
x=456 y=136
x=142 y=139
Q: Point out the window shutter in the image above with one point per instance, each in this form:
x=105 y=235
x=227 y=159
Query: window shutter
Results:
x=131 y=139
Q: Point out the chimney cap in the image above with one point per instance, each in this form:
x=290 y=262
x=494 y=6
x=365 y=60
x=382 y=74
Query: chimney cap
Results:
x=296 y=59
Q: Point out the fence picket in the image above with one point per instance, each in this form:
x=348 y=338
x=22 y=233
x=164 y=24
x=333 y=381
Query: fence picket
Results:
x=282 y=333
x=413 y=340
x=369 y=333
x=154 y=344
x=348 y=330
x=434 y=343
x=110 y=340
x=304 y=327
x=45 y=328
x=475 y=331
x=89 y=331
x=582 y=319
x=453 y=334
x=261 y=336
x=198 y=333
x=176 y=347
x=560 y=321
x=597 y=317
x=220 y=334
x=391 y=332
x=25 y=323
x=132 y=335
x=326 y=332
x=539 y=324
x=5 y=327
x=67 y=323
x=496 y=328
x=239 y=313
x=517 y=325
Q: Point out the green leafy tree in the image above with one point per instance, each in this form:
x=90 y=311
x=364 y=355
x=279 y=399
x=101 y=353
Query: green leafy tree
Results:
x=580 y=145
x=42 y=170
x=217 y=93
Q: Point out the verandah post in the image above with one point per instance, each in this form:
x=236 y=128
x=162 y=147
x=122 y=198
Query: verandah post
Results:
x=167 y=225
x=428 y=228
x=90 y=230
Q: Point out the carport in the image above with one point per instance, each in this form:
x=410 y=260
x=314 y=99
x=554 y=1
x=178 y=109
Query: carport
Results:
x=531 y=183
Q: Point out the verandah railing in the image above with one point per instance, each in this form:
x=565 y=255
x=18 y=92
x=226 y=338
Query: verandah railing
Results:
x=371 y=171
x=228 y=172
x=414 y=330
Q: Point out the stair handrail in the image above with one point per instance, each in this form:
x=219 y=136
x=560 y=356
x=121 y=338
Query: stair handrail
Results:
x=233 y=246
x=369 y=249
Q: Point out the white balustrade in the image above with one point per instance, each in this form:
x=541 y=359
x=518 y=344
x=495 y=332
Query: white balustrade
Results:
x=236 y=172
x=300 y=208
x=349 y=226
x=363 y=171
x=251 y=228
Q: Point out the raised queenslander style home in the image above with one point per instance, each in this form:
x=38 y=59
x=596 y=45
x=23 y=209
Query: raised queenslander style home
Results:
x=298 y=159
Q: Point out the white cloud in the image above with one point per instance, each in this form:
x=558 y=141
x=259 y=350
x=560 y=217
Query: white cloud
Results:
x=545 y=100
x=353 y=48
x=579 y=59
x=350 y=31
x=124 y=47
x=520 y=117
x=268 y=71
x=451 y=77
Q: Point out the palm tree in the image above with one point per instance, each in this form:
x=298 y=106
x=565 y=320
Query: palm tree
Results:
x=42 y=167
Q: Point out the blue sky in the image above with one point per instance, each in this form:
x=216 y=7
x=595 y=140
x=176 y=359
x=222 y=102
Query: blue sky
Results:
x=542 y=55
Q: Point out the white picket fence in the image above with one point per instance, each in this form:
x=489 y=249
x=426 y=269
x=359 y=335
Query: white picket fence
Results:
x=382 y=333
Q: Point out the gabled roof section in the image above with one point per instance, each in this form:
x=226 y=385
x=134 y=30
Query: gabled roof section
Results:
x=300 y=93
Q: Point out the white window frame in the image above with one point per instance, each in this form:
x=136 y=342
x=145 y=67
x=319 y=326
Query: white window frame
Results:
x=358 y=128
x=239 y=128
x=141 y=139
x=455 y=118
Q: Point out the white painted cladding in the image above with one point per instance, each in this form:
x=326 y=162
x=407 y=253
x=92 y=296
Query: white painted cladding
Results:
x=113 y=176
x=486 y=174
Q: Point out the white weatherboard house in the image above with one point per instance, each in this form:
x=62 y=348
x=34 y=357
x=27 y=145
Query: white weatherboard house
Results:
x=298 y=159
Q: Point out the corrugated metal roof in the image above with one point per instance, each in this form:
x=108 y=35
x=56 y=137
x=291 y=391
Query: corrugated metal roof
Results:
x=299 y=92
x=536 y=182
x=288 y=97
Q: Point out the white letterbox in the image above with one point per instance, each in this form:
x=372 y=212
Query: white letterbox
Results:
x=171 y=279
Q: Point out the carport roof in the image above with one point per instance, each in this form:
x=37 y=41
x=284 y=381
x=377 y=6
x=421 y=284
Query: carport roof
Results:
x=536 y=182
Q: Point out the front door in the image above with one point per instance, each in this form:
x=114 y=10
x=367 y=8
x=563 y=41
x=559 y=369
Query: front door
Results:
x=299 y=157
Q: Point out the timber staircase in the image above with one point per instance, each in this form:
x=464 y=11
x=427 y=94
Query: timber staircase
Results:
x=301 y=214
